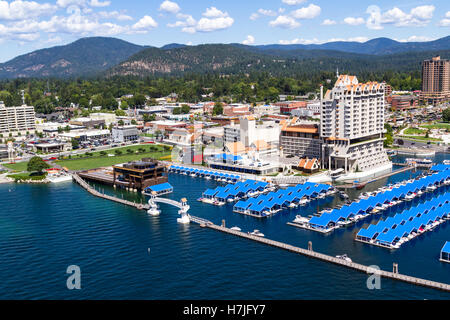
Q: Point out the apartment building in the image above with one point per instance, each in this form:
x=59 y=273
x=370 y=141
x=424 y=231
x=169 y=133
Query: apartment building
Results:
x=352 y=126
x=17 y=120
x=435 y=81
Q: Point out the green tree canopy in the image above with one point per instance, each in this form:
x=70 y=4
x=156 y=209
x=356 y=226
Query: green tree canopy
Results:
x=36 y=164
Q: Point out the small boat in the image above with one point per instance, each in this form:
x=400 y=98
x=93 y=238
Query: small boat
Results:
x=301 y=220
x=236 y=229
x=344 y=257
x=257 y=233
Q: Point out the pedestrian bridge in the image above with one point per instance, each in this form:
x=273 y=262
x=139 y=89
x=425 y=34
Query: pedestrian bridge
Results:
x=183 y=206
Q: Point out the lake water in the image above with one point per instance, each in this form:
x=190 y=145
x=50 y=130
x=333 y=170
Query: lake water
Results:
x=46 y=228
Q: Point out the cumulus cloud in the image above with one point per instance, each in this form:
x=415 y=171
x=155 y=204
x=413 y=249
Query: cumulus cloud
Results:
x=308 y=12
x=263 y=12
x=293 y=2
x=317 y=41
x=213 y=20
x=446 y=21
x=99 y=4
x=289 y=20
x=417 y=17
x=250 y=40
x=170 y=7
x=20 y=10
x=285 y=22
x=145 y=24
x=354 y=21
x=328 y=22
x=114 y=15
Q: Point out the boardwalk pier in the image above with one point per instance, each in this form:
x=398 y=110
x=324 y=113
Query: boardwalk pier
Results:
x=320 y=256
x=309 y=253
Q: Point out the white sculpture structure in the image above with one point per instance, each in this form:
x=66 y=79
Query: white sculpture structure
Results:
x=11 y=152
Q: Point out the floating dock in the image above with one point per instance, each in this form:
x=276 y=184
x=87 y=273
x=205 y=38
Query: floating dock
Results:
x=320 y=256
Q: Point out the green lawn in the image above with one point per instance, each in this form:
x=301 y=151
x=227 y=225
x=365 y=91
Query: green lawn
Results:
x=437 y=126
x=18 y=167
x=414 y=132
x=98 y=161
x=420 y=138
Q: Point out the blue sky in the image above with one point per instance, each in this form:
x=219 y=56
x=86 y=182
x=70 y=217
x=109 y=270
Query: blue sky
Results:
x=29 y=25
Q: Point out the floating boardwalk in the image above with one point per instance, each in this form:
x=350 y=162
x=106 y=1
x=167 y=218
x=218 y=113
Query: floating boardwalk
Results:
x=320 y=256
x=94 y=192
x=309 y=253
x=393 y=173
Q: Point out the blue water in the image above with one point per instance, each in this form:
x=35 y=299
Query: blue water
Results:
x=44 y=229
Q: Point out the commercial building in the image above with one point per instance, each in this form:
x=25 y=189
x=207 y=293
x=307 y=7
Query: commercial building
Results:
x=85 y=135
x=352 y=126
x=17 y=120
x=435 y=81
x=125 y=134
x=88 y=122
x=301 y=140
x=403 y=102
x=288 y=106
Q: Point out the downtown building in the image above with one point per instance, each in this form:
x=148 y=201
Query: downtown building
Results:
x=352 y=126
x=435 y=81
x=16 y=121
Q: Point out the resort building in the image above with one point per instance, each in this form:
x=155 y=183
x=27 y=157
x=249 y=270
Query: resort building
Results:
x=301 y=139
x=435 y=81
x=17 y=120
x=140 y=175
x=352 y=126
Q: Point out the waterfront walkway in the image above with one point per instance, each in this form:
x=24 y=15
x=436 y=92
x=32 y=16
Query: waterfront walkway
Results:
x=94 y=192
x=309 y=253
x=334 y=260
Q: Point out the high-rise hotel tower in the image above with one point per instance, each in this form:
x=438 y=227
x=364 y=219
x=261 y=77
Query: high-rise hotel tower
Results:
x=352 y=126
x=435 y=81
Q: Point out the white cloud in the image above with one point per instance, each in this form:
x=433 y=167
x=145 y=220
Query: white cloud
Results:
x=209 y=25
x=99 y=4
x=213 y=20
x=285 y=22
x=213 y=12
x=354 y=21
x=114 y=15
x=264 y=12
x=145 y=24
x=328 y=22
x=254 y=16
x=66 y=3
x=20 y=10
x=446 y=21
x=317 y=41
x=250 y=40
x=293 y=2
x=308 y=12
x=416 y=39
x=170 y=7
x=417 y=17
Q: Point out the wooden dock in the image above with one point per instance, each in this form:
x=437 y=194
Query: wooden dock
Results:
x=94 y=192
x=334 y=260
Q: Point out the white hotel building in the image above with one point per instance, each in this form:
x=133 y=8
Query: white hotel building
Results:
x=15 y=120
x=352 y=126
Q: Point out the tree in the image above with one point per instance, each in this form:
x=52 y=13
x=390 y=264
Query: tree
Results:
x=36 y=164
x=103 y=153
x=185 y=109
x=218 y=109
x=75 y=144
x=118 y=152
x=446 y=115
x=130 y=151
x=120 y=113
x=120 y=123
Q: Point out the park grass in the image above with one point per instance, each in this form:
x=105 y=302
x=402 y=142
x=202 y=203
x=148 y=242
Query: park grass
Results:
x=98 y=161
x=415 y=132
x=437 y=126
x=421 y=138
x=17 y=167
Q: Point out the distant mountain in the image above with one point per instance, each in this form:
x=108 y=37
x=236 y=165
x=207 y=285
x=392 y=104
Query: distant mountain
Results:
x=173 y=46
x=195 y=59
x=86 y=56
x=113 y=57
x=379 y=46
